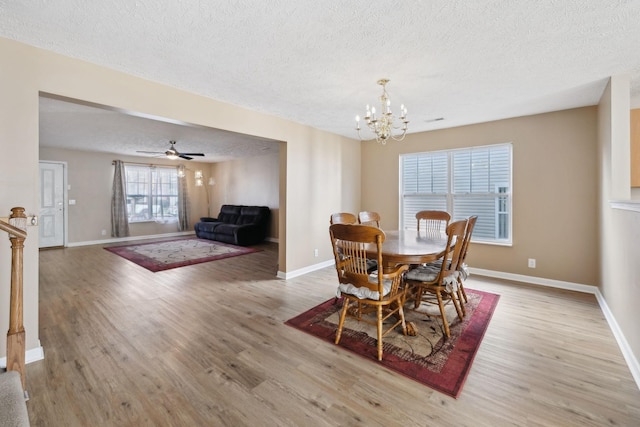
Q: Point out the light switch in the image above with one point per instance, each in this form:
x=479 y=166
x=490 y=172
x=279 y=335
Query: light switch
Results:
x=72 y=201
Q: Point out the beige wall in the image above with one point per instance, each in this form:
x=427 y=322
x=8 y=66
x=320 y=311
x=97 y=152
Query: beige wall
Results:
x=619 y=229
x=90 y=177
x=554 y=190
x=248 y=181
x=319 y=171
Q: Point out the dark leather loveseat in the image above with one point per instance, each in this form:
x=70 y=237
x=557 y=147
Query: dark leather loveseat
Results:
x=236 y=224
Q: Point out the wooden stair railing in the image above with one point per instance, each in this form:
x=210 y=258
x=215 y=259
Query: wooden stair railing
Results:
x=16 y=336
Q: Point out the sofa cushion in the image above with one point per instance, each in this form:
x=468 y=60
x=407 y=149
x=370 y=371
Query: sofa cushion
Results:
x=226 y=228
x=207 y=226
x=229 y=213
x=249 y=219
x=228 y=218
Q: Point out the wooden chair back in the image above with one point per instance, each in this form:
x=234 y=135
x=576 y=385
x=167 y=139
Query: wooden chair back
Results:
x=461 y=266
x=434 y=221
x=343 y=218
x=471 y=223
x=369 y=218
x=455 y=242
x=350 y=244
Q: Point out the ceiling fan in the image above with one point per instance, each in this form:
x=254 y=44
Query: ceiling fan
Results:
x=172 y=153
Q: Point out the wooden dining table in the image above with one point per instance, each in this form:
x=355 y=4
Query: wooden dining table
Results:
x=410 y=247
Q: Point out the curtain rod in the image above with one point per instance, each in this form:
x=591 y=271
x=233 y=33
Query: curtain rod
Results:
x=113 y=162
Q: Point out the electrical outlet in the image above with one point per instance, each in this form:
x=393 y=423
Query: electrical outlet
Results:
x=532 y=263
x=104 y=232
x=315 y=252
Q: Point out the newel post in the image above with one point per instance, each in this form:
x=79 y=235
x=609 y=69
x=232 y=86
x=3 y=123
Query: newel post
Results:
x=15 y=336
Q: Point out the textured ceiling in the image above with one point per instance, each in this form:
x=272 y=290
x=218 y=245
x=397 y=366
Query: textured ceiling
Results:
x=317 y=62
x=78 y=126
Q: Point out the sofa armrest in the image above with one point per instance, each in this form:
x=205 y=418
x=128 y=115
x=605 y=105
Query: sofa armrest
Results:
x=208 y=219
x=250 y=234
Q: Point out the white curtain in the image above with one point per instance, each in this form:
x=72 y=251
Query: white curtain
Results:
x=119 y=219
x=183 y=200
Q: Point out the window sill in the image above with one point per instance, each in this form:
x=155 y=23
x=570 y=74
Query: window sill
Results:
x=487 y=242
x=627 y=205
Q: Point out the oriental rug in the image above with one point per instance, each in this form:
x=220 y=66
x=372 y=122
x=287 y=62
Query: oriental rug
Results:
x=167 y=254
x=429 y=358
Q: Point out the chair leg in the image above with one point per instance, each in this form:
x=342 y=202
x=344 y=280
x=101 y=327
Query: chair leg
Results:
x=343 y=315
x=401 y=314
x=456 y=304
x=379 y=314
x=460 y=299
x=418 y=297
x=461 y=287
x=443 y=314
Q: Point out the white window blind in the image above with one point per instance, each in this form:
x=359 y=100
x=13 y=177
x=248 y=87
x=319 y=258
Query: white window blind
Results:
x=463 y=182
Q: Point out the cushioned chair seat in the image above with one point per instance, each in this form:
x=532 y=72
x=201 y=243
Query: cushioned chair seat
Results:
x=429 y=273
x=365 y=293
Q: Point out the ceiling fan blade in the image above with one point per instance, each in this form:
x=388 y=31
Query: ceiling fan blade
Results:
x=193 y=154
x=150 y=152
x=182 y=156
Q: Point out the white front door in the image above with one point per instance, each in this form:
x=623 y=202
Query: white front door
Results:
x=52 y=208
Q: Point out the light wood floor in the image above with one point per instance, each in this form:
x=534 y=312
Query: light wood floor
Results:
x=206 y=345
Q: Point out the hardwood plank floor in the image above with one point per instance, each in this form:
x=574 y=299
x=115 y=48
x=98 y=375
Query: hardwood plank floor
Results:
x=206 y=345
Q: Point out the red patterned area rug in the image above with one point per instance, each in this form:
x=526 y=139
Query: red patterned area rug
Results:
x=429 y=358
x=167 y=254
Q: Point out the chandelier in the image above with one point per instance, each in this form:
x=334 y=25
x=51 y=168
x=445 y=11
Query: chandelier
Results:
x=382 y=125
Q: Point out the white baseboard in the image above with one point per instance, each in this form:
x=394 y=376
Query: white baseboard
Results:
x=551 y=283
x=128 y=239
x=32 y=355
x=625 y=348
x=632 y=361
x=306 y=270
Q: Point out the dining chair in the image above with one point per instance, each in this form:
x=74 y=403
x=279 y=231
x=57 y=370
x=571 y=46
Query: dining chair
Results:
x=435 y=221
x=462 y=268
x=343 y=218
x=378 y=291
x=369 y=218
x=438 y=283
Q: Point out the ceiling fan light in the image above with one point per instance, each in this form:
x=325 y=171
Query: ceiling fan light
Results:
x=172 y=153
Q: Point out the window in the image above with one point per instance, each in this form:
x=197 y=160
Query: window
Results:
x=464 y=182
x=152 y=193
